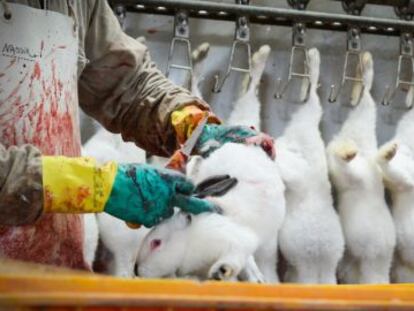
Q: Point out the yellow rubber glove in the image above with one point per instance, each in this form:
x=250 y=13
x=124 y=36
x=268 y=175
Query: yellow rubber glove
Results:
x=135 y=193
x=76 y=185
x=185 y=120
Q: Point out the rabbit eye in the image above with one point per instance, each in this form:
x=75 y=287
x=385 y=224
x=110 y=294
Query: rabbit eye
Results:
x=155 y=244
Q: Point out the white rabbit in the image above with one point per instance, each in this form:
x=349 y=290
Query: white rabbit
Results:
x=311 y=237
x=366 y=221
x=122 y=242
x=90 y=238
x=396 y=159
x=257 y=201
x=106 y=146
x=208 y=245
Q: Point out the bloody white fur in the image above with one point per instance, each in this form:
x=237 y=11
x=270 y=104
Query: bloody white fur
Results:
x=396 y=159
x=311 y=237
x=365 y=218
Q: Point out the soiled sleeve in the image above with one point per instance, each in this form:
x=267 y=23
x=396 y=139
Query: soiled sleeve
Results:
x=21 y=194
x=122 y=88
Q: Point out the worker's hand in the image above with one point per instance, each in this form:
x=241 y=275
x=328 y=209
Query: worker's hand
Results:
x=135 y=193
x=146 y=195
x=214 y=136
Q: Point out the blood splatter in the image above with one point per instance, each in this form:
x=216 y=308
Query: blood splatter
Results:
x=36 y=71
x=46 y=117
x=12 y=62
x=55 y=239
x=152 y=31
x=82 y=194
x=48 y=126
x=47 y=198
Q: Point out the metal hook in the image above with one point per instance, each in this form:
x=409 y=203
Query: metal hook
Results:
x=120 y=13
x=406 y=53
x=405 y=11
x=298 y=4
x=242 y=39
x=353 y=7
x=298 y=45
x=181 y=34
x=353 y=50
x=218 y=85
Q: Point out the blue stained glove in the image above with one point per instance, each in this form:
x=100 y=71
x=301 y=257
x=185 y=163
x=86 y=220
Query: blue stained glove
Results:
x=146 y=195
x=214 y=136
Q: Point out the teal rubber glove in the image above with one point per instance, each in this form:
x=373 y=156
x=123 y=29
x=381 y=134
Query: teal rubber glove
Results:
x=214 y=136
x=146 y=195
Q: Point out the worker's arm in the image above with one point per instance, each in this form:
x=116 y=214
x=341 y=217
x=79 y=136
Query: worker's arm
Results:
x=21 y=193
x=122 y=88
x=32 y=184
x=136 y=193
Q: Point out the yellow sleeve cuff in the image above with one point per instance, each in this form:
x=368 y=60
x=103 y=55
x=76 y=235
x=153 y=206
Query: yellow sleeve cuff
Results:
x=76 y=185
x=185 y=120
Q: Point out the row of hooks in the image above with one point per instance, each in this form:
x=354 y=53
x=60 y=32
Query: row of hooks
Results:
x=271 y=15
x=298 y=52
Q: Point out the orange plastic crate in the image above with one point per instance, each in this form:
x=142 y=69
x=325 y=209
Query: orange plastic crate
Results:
x=55 y=289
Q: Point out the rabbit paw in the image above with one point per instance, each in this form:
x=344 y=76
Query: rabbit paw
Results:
x=222 y=272
x=252 y=275
x=346 y=151
x=387 y=152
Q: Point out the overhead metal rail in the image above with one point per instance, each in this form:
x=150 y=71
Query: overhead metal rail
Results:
x=383 y=2
x=404 y=9
x=270 y=15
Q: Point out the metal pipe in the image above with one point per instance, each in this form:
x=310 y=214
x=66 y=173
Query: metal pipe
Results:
x=271 y=15
x=384 y=2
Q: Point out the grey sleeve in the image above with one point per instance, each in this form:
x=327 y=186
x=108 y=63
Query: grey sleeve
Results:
x=21 y=194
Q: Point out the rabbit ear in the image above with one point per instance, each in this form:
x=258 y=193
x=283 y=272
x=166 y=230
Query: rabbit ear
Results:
x=189 y=219
x=183 y=220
